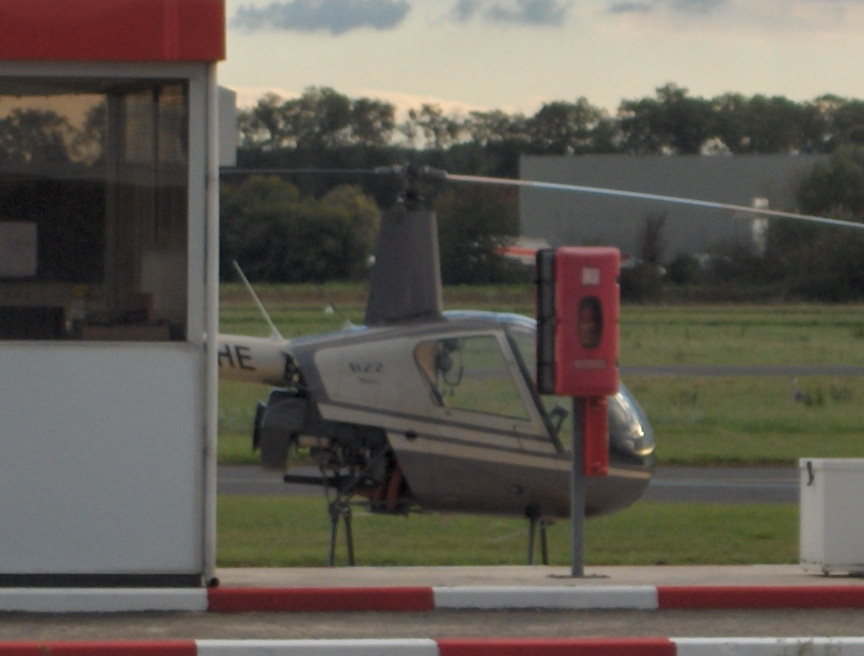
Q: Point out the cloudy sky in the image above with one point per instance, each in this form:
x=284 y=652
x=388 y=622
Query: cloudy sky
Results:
x=517 y=54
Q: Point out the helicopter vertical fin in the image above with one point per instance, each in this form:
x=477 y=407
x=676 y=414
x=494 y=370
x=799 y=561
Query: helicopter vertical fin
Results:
x=405 y=284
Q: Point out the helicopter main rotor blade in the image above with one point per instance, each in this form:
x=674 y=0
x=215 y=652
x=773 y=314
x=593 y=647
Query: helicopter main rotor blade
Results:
x=426 y=172
x=557 y=186
x=298 y=171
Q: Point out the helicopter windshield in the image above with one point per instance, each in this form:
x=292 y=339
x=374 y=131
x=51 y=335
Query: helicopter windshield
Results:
x=629 y=431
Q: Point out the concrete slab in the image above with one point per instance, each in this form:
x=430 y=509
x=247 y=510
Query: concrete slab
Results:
x=530 y=576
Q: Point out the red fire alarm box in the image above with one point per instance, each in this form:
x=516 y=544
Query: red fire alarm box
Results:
x=586 y=321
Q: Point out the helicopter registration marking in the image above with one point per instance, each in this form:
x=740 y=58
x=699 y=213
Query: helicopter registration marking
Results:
x=242 y=355
x=366 y=372
x=366 y=367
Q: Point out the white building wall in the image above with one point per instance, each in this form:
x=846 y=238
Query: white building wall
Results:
x=101 y=460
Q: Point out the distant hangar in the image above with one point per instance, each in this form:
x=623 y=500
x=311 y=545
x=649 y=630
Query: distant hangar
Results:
x=564 y=218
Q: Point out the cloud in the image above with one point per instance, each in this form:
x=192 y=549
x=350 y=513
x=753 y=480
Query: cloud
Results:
x=334 y=16
x=694 y=7
x=519 y=12
x=630 y=8
x=465 y=10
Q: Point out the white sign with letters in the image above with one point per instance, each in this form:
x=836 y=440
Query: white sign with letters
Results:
x=18 y=250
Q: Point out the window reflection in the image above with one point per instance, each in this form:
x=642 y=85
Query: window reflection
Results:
x=93 y=209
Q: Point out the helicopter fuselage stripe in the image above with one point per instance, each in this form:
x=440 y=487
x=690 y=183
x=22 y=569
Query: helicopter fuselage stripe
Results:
x=484 y=437
x=562 y=463
x=471 y=449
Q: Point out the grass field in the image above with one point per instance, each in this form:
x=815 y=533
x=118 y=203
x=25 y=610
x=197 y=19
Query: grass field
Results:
x=294 y=532
x=697 y=420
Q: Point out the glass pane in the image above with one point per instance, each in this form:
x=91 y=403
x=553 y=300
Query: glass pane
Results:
x=558 y=408
x=470 y=373
x=93 y=209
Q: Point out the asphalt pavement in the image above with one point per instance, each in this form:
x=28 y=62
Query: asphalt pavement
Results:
x=475 y=624
x=669 y=484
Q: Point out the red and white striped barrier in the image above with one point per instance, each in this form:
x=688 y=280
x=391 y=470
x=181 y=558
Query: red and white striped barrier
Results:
x=428 y=598
x=453 y=647
x=416 y=599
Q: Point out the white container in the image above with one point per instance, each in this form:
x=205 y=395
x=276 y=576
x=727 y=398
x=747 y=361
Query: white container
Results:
x=832 y=515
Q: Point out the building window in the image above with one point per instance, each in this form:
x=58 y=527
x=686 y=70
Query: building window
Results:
x=93 y=209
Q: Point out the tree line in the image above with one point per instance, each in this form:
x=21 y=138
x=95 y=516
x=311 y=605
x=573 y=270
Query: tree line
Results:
x=324 y=129
x=489 y=142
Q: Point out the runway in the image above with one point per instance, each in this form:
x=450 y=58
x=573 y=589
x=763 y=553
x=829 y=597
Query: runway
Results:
x=670 y=484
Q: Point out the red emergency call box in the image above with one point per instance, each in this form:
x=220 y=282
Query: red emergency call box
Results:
x=586 y=321
x=577 y=339
x=577 y=316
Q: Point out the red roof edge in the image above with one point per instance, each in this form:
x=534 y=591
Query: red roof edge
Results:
x=112 y=30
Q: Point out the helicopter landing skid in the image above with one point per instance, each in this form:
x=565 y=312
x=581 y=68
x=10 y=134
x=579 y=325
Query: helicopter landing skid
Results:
x=340 y=508
x=534 y=521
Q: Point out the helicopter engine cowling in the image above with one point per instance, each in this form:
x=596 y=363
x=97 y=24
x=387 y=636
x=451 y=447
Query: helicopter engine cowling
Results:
x=277 y=423
x=352 y=459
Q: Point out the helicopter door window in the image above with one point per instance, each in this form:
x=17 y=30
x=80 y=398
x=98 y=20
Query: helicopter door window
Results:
x=471 y=373
x=557 y=407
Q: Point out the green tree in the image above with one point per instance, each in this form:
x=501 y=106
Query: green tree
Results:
x=265 y=126
x=280 y=236
x=30 y=136
x=779 y=125
x=817 y=262
x=474 y=223
x=372 y=122
x=250 y=232
x=495 y=126
x=562 y=128
x=320 y=119
x=439 y=130
x=837 y=186
x=846 y=123
x=672 y=122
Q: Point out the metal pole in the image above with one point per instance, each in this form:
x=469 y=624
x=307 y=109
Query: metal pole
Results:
x=211 y=257
x=577 y=492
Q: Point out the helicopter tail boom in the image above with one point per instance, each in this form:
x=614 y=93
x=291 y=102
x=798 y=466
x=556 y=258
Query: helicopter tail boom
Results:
x=253 y=359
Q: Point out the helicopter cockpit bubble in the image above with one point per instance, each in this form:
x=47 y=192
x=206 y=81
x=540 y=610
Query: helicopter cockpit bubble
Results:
x=631 y=438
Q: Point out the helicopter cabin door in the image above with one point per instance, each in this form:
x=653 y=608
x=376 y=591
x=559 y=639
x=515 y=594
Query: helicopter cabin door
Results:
x=483 y=436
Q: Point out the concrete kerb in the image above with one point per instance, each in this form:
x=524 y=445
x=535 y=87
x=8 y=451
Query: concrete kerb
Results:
x=101 y=600
x=405 y=589
x=430 y=598
x=455 y=647
x=521 y=597
x=390 y=589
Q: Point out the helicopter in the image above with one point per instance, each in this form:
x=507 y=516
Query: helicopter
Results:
x=433 y=409
x=426 y=408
